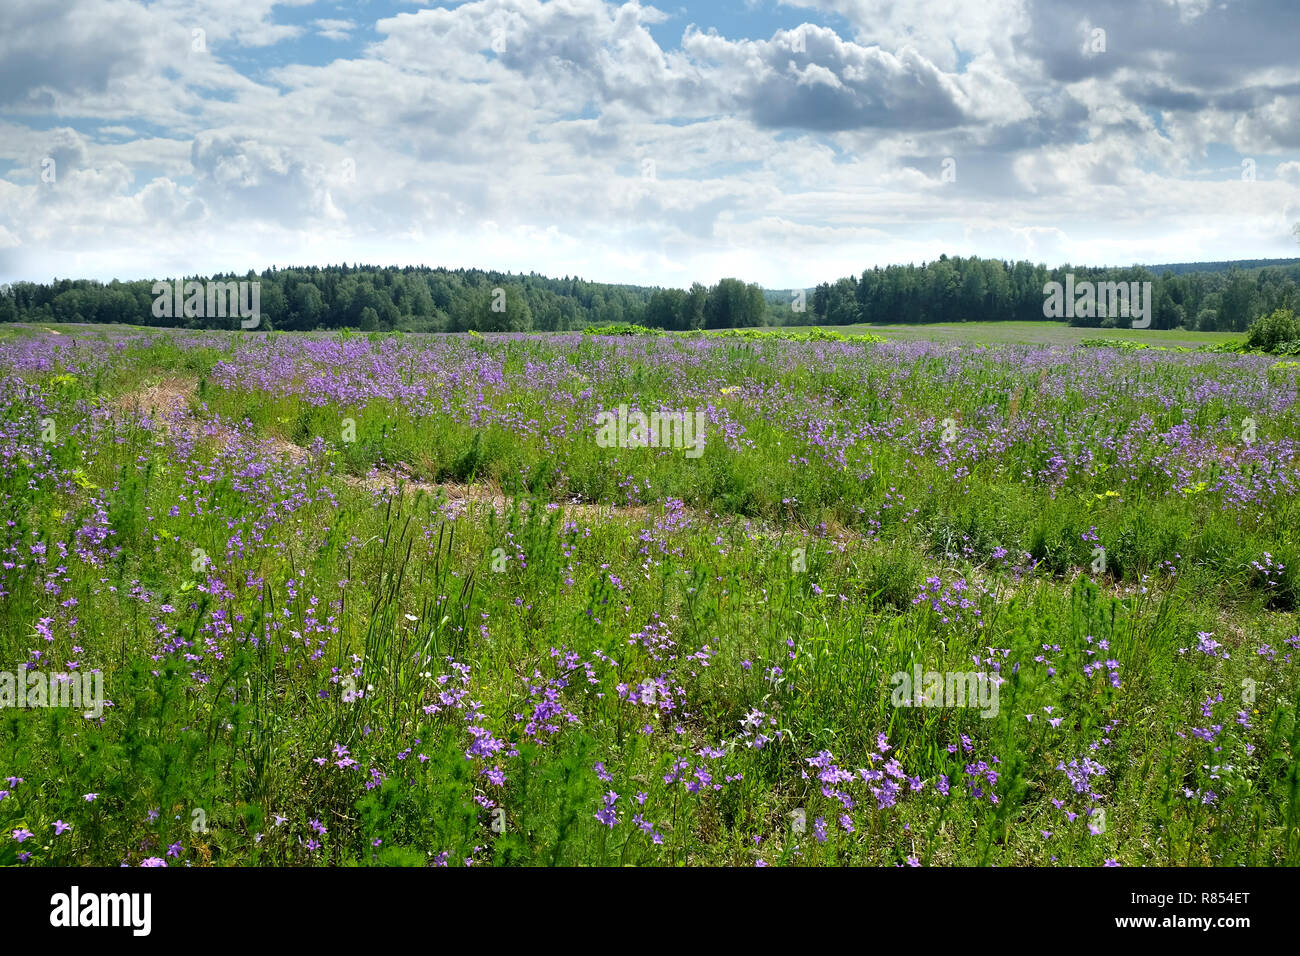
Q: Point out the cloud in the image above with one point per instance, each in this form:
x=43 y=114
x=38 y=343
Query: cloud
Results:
x=516 y=133
x=52 y=51
x=1289 y=172
x=811 y=79
x=334 y=29
x=244 y=177
x=940 y=30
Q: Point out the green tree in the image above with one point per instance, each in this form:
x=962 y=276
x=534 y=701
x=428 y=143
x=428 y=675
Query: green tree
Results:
x=1269 y=331
x=500 y=309
x=666 y=309
x=308 y=306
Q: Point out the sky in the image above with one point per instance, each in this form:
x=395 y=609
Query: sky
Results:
x=785 y=142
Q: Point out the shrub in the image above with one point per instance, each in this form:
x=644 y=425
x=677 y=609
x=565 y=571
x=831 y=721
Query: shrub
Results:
x=621 y=328
x=1269 y=331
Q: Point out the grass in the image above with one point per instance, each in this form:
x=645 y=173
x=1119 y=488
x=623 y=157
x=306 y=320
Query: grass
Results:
x=1031 y=333
x=384 y=600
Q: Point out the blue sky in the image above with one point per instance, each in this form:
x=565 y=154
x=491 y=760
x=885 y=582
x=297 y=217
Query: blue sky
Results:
x=779 y=142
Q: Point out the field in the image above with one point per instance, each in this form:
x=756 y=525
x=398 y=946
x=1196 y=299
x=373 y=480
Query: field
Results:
x=404 y=601
x=1033 y=333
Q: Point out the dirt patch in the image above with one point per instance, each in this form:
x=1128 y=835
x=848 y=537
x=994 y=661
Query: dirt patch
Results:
x=287 y=449
x=169 y=396
x=390 y=482
x=170 y=404
x=459 y=496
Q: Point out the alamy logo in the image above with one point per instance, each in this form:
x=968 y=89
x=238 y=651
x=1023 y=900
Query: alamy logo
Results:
x=1089 y=300
x=209 y=300
x=102 y=909
x=660 y=429
x=83 y=690
x=946 y=689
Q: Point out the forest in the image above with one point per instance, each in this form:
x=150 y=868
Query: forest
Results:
x=1214 y=297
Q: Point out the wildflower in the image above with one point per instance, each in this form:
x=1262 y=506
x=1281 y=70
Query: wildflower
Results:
x=607 y=814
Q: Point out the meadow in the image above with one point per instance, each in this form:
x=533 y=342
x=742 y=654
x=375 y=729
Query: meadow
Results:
x=386 y=600
x=1033 y=333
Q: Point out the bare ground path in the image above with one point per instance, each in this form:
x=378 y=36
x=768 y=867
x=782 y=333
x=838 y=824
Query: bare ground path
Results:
x=175 y=400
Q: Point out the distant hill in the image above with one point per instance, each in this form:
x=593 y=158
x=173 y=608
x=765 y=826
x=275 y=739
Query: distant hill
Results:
x=783 y=296
x=1182 y=268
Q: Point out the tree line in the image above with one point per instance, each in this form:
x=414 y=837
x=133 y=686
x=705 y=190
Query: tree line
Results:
x=421 y=299
x=416 y=299
x=990 y=290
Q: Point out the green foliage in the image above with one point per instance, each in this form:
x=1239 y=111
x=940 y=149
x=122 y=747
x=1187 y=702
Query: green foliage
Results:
x=1218 y=297
x=1278 y=330
x=343 y=683
x=623 y=328
x=1131 y=345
